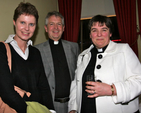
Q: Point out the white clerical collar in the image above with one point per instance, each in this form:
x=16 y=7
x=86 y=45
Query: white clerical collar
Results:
x=56 y=42
x=100 y=50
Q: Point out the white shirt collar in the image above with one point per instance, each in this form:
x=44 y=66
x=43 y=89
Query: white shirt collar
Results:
x=56 y=42
x=100 y=50
x=16 y=47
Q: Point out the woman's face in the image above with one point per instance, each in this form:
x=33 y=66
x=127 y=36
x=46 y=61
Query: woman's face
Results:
x=100 y=35
x=24 y=26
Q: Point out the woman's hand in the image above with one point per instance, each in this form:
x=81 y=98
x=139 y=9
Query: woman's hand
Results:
x=73 y=111
x=98 y=89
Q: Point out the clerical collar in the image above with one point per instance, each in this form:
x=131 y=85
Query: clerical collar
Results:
x=101 y=50
x=54 y=42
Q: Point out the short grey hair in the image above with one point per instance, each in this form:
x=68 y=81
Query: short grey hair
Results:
x=54 y=13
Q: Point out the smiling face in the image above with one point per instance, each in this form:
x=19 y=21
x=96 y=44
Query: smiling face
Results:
x=54 y=27
x=100 y=35
x=24 y=26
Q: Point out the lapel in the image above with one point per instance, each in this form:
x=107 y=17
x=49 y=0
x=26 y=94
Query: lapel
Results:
x=111 y=47
x=48 y=55
x=67 y=50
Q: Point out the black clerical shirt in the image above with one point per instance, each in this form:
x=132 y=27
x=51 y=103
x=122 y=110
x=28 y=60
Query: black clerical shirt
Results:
x=88 y=104
x=62 y=75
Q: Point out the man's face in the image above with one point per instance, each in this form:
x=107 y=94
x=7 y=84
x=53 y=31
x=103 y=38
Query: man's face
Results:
x=54 y=28
x=100 y=35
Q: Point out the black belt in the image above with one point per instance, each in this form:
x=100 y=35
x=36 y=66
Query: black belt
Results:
x=62 y=100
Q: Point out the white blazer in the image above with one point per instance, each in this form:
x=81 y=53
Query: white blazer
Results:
x=119 y=66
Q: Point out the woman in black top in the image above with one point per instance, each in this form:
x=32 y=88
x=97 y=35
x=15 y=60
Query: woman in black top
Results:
x=27 y=67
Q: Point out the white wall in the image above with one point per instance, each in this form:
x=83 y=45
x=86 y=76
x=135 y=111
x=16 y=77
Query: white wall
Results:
x=94 y=7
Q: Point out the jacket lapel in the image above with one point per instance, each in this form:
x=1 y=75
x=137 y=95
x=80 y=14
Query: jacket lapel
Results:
x=48 y=55
x=67 y=50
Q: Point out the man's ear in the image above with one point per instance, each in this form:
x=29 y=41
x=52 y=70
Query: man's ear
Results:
x=45 y=26
x=63 y=28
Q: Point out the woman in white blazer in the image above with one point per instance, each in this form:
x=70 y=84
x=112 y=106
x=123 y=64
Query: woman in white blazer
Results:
x=116 y=66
